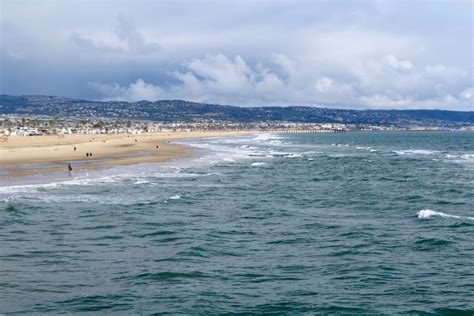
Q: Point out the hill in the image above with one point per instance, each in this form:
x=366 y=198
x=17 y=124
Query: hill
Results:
x=179 y=110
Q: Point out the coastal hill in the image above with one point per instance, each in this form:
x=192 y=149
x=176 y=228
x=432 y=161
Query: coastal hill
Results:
x=179 y=110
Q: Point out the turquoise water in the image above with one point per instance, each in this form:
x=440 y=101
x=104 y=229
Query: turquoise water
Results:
x=352 y=223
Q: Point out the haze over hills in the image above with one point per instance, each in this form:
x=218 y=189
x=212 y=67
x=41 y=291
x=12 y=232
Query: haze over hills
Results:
x=179 y=110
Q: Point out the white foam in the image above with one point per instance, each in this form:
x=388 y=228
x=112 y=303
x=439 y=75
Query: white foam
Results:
x=468 y=157
x=430 y=213
x=293 y=155
x=279 y=153
x=266 y=137
x=256 y=164
x=175 y=197
x=213 y=174
x=9 y=199
x=225 y=150
x=141 y=182
x=414 y=152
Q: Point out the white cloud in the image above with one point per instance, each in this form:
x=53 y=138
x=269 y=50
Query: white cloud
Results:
x=123 y=38
x=136 y=91
x=468 y=94
x=395 y=63
x=214 y=78
x=220 y=79
x=323 y=84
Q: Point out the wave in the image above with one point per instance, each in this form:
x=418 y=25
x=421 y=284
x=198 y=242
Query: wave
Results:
x=217 y=151
x=141 y=182
x=414 y=152
x=423 y=214
x=293 y=155
x=275 y=153
x=175 y=197
x=257 y=164
x=266 y=137
x=463 y=159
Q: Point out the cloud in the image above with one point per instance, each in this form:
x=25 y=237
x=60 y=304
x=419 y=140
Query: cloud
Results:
x=123 y=38
x=136 y=91
x=323 y=84
x=357 y=55
x=395 y=63
x=214 y=78
x=222 y=79
x=467 y=94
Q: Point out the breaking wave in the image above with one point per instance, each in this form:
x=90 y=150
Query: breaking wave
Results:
x=414 y=152
x=430 y=213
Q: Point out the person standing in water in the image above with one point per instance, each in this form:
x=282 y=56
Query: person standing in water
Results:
x=69 y=168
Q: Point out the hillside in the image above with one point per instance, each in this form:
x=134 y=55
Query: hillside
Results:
x=179 y=110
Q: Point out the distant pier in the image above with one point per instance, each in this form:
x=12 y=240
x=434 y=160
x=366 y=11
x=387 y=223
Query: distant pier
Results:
x=305 y=131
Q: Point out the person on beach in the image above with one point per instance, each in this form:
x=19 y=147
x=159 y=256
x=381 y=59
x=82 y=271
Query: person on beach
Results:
x=87 y=155
x=74 y=148
x=90 y=155
x=69 y=168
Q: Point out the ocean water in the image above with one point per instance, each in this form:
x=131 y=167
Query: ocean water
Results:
x=352 y=223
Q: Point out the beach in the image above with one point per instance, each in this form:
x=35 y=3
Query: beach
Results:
x=26 y=156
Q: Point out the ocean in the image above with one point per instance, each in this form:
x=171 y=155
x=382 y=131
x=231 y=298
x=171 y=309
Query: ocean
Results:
x=349 y=223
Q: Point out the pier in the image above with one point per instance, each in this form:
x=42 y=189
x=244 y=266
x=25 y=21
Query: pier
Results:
x=305 y=131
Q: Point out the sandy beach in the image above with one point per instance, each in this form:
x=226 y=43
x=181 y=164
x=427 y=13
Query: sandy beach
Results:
x=23 y=156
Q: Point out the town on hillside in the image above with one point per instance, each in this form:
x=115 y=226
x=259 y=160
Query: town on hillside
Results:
x=14 y=125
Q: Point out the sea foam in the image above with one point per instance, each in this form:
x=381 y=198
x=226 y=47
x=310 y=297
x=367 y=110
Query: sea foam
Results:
x=414 y=152
x=430 y=213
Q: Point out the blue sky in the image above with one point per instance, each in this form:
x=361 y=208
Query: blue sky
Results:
x=345 y=54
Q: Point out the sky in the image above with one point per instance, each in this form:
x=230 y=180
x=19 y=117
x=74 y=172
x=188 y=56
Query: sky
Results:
x=399 y=54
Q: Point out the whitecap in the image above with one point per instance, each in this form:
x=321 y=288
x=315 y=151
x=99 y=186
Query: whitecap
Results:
x=141 y=182
x=213 y=174
x=175 y=197
x=9 y=199
x=414 y=152
x=266 y=137
x=426 y=213
x=279 y=153
x=256 y=164
x=293 y=155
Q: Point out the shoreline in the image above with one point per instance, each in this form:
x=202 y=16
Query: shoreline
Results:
x=36 y=155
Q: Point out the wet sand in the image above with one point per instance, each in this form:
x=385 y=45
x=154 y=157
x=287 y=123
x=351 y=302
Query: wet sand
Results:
x=24 y=156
